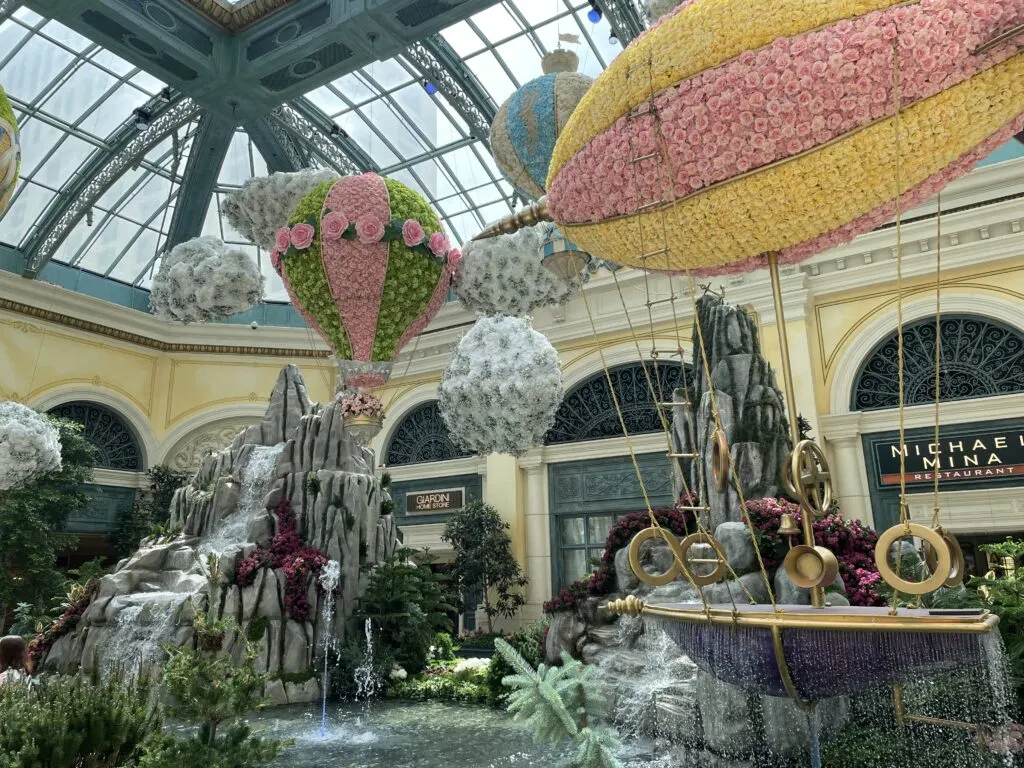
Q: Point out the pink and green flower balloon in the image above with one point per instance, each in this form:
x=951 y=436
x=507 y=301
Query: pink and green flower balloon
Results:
x=365 y=261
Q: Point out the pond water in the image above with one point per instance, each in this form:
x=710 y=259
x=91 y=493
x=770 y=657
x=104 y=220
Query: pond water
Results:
x=409 y=735
x=402 y=735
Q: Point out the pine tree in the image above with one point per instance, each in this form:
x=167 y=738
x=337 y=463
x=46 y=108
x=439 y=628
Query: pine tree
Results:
x=561 y=704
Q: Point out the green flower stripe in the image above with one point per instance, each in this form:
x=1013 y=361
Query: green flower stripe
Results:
x=411 y=280
x=304 y=271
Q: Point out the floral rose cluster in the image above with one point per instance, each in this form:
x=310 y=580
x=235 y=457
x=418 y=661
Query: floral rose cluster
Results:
x=366 y=229
x=505 y=275
x=852 y=542
x=300 y=562
x=264 y=203
x=203 y=280
x=361 y=403
x=502 y=387
x=29 y=445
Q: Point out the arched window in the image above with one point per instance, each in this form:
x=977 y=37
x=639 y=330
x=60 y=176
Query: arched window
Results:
x=116 y=444
x=421 y=437
x=588 y=412
x=981 y=357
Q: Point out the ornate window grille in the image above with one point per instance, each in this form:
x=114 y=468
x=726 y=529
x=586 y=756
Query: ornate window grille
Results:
x=422 y=437
x=588 y=411
x=116 y=444
x=980 y=357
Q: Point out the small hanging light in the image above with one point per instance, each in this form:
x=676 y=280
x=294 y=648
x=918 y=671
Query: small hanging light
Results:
x=562 y=256
x=594 y=14
x=429 y=87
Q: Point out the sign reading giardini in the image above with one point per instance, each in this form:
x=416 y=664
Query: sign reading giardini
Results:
x=428 y=502
x=973 y=456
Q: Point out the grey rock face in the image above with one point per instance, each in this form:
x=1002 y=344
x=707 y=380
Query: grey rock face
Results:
x=342 y=519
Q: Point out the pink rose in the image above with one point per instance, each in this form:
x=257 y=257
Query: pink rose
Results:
x=438 y=244
x=283 y=239
x=369 y=229
x=454 y=257
x=412 y=233
x=302 y=235
x=333 y=225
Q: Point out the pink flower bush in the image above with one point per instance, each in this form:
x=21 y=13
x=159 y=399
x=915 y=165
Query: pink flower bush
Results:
x=302 y=235
x=301 y=563
x=369 y=229
x=412 y=233
x=333 y=225
x=283 y=239
x=361 y=403
x=454 y=257
x=791 y=96
x=438 y=244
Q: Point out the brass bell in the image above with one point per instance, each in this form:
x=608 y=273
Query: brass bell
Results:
x=788 y=526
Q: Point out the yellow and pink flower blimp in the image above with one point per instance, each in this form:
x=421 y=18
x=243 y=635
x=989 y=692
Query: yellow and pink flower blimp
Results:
x=366 y=263
x=731 y=129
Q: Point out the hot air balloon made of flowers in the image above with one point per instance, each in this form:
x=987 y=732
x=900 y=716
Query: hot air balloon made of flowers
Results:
x=366 y=263
x=10 y=151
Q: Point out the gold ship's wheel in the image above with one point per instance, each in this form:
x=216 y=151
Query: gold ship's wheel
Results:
x=682 y=565
x=806 y=478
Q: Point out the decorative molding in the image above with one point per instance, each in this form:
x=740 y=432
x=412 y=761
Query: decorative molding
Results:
x=421 y=437
x=117 y=446
x=425 y=536
x=189 y=451
x=608 y=448
x=236 y=17
x=120 y=479
x=838 y=426
x=473 y=465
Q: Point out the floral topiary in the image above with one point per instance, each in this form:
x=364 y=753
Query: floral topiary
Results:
x=10 y=151
x=29 y=445
x=202 y=280
x=301 y=563
x=366 y=263
x=500 y=392
x=852 y=542
x=264 y=203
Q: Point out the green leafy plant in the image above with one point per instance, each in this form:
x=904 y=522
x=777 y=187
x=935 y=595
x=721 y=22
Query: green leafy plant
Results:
x=484 y=561
x=528 y=643
x=151 y=508
x=408 y=606
x=32 y=522
x=1002 y=592
x=443 y=648
x=561 y=704
x=313 y=484
x=65 y=721
x=207 y=690
x=440 y=684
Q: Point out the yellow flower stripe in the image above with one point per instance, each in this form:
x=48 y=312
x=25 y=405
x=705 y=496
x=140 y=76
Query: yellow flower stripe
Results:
x=699 y=37
x=815 y=193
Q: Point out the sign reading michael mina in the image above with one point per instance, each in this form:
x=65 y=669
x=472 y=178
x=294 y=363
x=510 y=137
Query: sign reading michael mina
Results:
x=962 y=454
x=430 y=502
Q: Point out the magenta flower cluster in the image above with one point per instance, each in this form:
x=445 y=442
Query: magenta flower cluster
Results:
x=41 y=643
x=852 y=542
x=301 y=563
x=602 y=580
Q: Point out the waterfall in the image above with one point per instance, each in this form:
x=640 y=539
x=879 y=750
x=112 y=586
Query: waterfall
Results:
x=137 y=633
x=367 y=683
x=329 y=578
x=256 y=477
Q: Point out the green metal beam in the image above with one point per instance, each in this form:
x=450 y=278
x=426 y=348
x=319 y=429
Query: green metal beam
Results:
x=309 y=124
x=624 y=18
x=280 y=151
x=125 y=147
x=209 y=147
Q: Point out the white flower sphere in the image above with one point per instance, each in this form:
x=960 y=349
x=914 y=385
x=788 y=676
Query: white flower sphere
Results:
x=658 y=8
x=29 y=445
x=500 y=392
x=202 y=279
x=505 y=276
x=264 y=203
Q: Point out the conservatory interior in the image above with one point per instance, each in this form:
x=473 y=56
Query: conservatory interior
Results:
x=479 y=383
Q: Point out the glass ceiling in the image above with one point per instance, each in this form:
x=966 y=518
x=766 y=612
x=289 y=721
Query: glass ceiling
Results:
x=70 y=94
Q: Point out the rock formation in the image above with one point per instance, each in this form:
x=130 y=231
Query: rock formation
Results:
x=301 y=453
x=655 y=690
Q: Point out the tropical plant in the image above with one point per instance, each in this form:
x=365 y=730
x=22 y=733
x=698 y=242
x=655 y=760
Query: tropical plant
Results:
x=484 y=561
x=207 y=690
x=528 y=643
x=32 y=524
x=408 y=606
x=151 y=509
x=561 y=704
x=65 y=721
